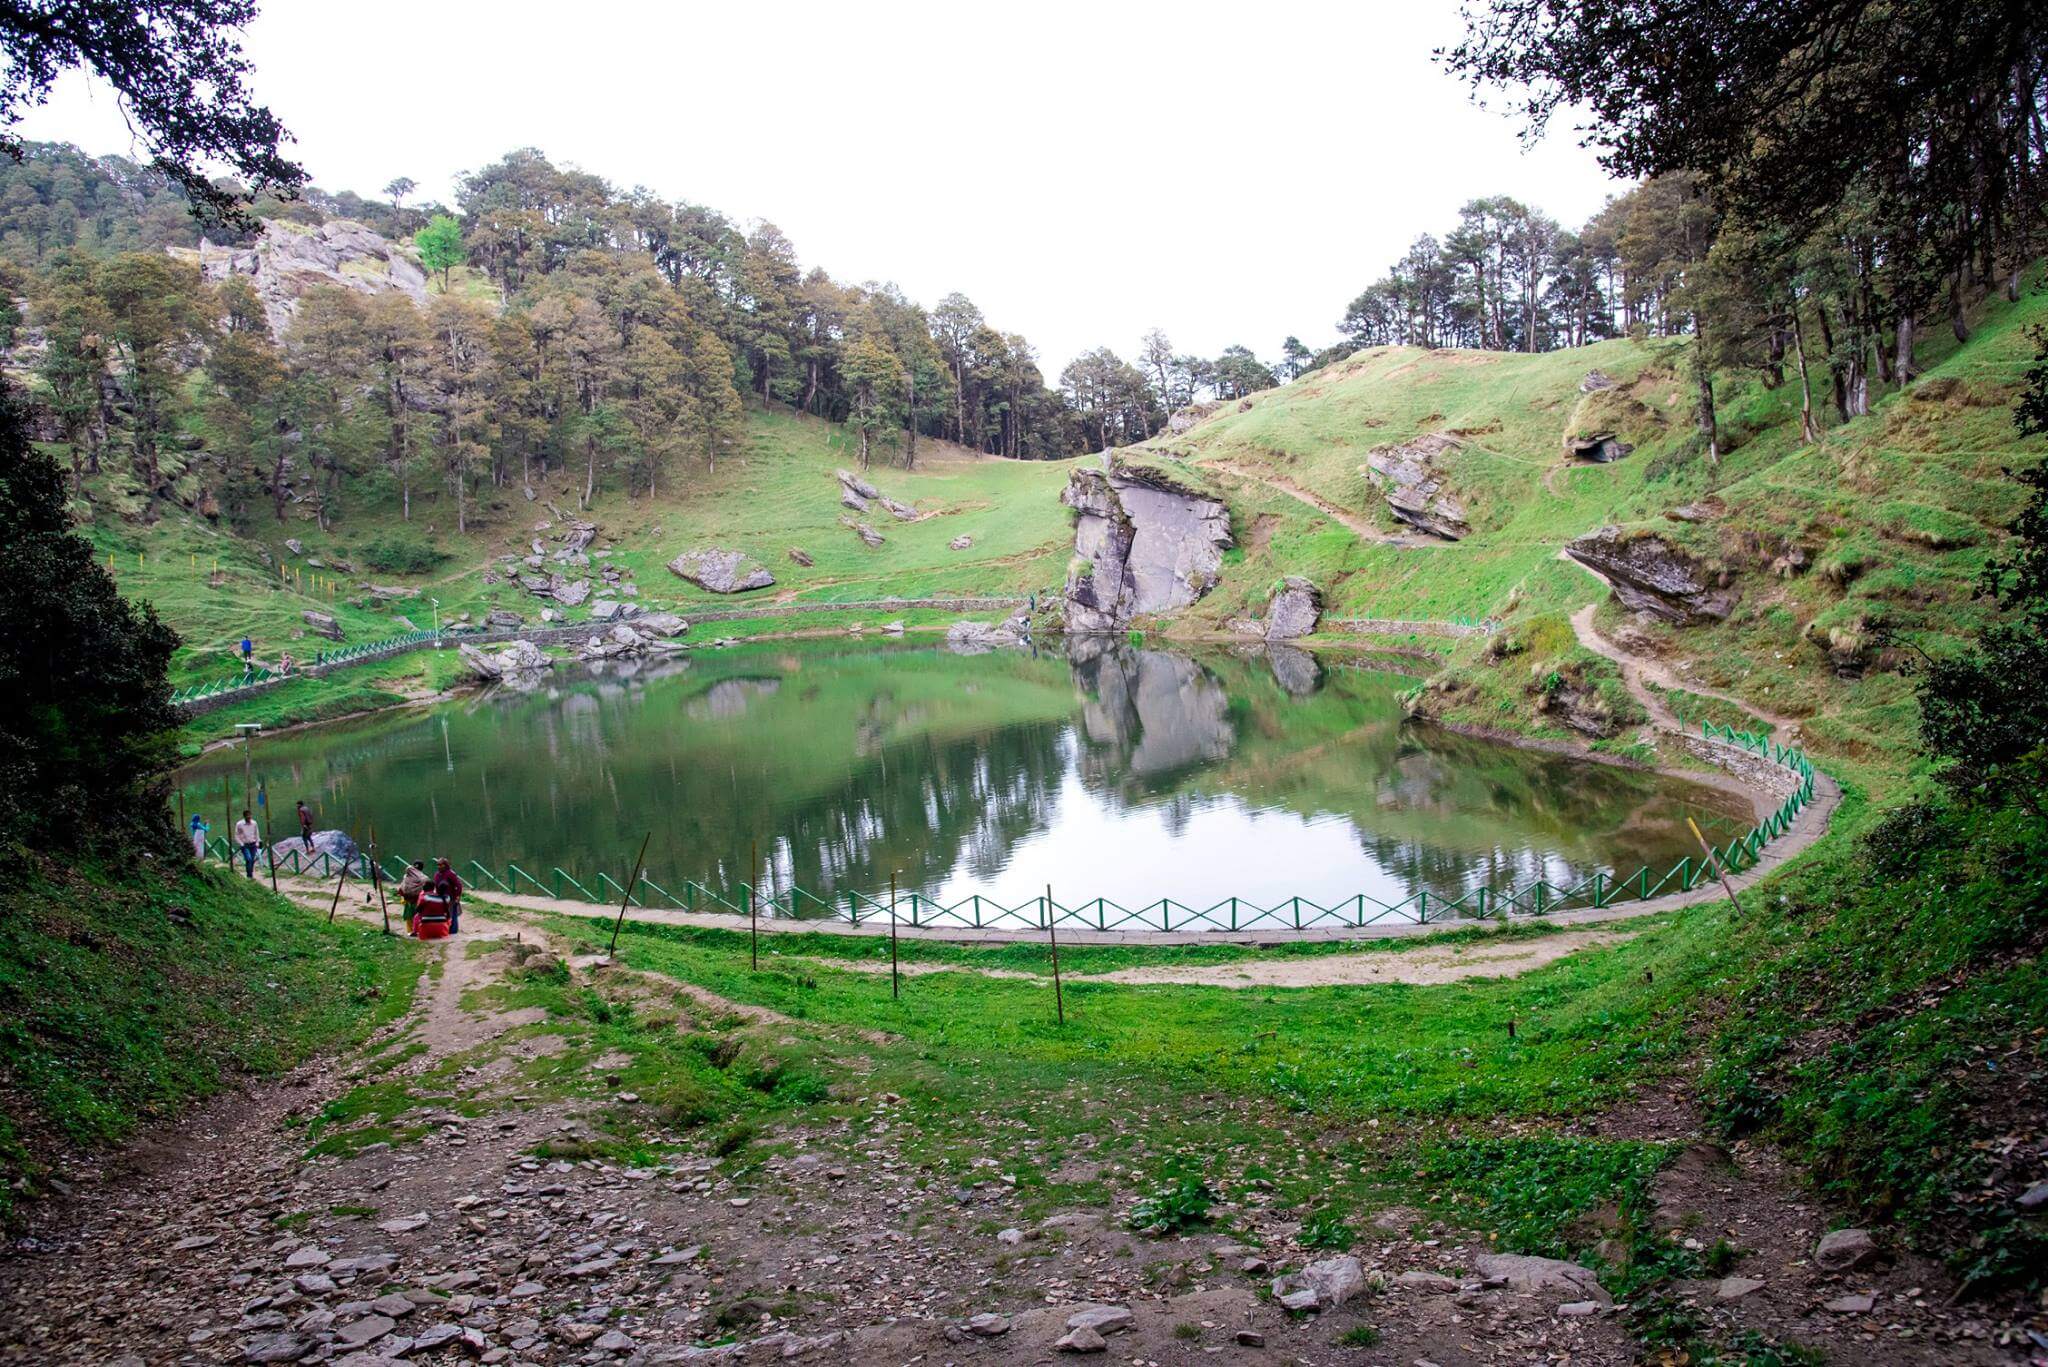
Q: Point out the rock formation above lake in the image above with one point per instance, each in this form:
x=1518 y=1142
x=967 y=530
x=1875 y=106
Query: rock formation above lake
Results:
x=720 y=571
x=1649 y=574
x=1144 y=544
x=1415 y=486
x=1296 y=608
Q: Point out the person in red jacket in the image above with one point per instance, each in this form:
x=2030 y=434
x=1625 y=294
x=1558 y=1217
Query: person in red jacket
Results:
x=449 y=885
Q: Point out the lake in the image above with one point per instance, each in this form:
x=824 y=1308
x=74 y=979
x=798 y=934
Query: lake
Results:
x=1104 y=770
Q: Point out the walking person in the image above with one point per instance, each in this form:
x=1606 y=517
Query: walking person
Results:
x=306 y=825
x=448 y=885
x=248 y=657
x=199 y=830
x=409 y=889
x=248 y=837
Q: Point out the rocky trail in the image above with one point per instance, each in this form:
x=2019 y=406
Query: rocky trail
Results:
x=492 y=1225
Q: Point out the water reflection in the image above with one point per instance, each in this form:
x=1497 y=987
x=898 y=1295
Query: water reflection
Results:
x=1111 y=771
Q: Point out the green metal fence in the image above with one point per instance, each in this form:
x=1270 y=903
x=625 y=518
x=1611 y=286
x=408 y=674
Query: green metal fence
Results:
x=976 y=912
x=254 y=677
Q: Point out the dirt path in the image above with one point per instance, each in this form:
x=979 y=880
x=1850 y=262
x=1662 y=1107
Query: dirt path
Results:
x=1636 y=670
x=1358 y=525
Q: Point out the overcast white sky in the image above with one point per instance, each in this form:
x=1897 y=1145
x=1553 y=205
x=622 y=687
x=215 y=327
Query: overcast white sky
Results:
x=1082 y=171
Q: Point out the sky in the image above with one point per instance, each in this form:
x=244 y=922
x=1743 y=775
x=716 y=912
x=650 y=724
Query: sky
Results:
x=1082 y=171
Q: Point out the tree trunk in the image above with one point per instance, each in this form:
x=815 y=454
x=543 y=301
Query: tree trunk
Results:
x=1955 y=307
x=910 y=420
x=1902 y=351
x=589 y=471
x=1709 y=427
x=1808 y=432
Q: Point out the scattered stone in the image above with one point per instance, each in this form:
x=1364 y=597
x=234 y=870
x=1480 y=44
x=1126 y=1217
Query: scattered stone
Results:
x=1250 y=1338
x=2034 y=1197
x=1103 y=1319
x=1578 y=1309
x=192 y=1241
x=322 y=624
x=1841 y=1250
x=503 y=620
x=276 y=1348
x=1011 y=1237
x=314 y=1283
x=294 y=545
x=988 y=1325
x=1545 y=1277
x=1301 y=1300
x=366 y=1330
x=394 y=1304
x=902 y=512
x=1735 y=1288
x=1082 y=1340
x=801 y=556
x=1595 y=380
x=855 y=485
x=308 y=1255
x=1330 y=1282
x=868 y=535
x=1426 y=1281
x=1254 y=1267
x=1850 y=1305
x=614 y=1341
x=960 y=543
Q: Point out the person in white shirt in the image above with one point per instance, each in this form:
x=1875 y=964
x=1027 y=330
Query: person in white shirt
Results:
x=248 y=837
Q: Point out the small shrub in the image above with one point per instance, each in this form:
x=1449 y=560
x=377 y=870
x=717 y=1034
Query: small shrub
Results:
x=403 y=555
x=1358 y=1336
x=1327 y=1229
x=1181 y=1204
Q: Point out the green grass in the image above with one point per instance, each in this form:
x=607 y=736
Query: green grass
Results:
x=126 y=997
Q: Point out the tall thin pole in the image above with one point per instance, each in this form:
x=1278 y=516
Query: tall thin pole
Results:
x=1714 y=863
x=895 y=990
x=1059 y=996
x=753 y=908
x=377 y=881
x=336 y=904
x=638 y=863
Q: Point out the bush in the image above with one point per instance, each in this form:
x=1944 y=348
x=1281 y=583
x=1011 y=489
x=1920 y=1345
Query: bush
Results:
x=403 y=555
x=1180 y=1204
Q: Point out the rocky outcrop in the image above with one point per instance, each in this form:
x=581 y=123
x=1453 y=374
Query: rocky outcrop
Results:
x=868 y=535
x=799 y=556
x=322 y=624
x=621 y=642
x=1649 y=574
x=1607 y=424
x=960 y=542
x=720 y=571
x=1296 y=608
x=1142 y=544
x=1415 y=486
x=290 y=259
x=519 y=658
x=856 y=493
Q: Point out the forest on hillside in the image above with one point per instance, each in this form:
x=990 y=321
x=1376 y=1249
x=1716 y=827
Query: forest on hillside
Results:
x=571 y=325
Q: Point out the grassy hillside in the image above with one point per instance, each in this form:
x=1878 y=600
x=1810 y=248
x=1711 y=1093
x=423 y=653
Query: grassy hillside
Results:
x=124 y=996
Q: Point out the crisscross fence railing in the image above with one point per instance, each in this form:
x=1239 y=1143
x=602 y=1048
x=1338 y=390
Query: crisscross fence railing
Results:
x=199 y=696
x=1600 y=890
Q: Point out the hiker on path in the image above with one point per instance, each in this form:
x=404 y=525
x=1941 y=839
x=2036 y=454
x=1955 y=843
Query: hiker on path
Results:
x=248 y=837
x=306 y=825
x=410 y=887
x=447 y=884
x=199 y=830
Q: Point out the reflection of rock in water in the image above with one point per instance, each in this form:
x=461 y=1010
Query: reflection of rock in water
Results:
x=1299 y=672
x=729 y=698
x=1165 y=711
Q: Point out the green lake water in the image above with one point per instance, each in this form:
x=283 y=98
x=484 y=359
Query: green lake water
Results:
x=1122 y=773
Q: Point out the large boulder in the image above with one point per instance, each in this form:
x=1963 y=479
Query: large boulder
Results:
x=855 y=485
x=978 y=638
x=1296 y=608
x=1409 y=475
x=290 y=259
x=868 y=535
x=621 y=642
x=720 y=571
x=1143 y=543
x=336 y=845
x=1548 y=1279
x=322 y=624
x=518 y=658
x=1649 y=574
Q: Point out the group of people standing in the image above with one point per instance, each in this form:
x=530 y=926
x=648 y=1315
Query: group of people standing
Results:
x=443 y=886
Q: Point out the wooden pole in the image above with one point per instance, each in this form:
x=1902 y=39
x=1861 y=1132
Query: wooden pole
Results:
x=336 y=904
x=895 y=990
x=1059 y=996
x=631 y=883
x=753 y=914
x=377 y=881
x=1714 y=863
x=269 y=846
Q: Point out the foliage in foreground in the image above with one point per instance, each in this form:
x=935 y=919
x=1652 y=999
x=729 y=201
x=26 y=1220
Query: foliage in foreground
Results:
x=124 y=997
